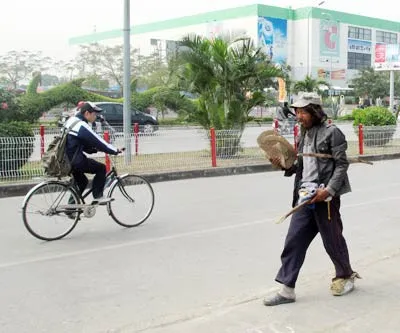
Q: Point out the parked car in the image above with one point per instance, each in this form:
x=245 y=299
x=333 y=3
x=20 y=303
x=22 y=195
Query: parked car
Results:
x=114 y=115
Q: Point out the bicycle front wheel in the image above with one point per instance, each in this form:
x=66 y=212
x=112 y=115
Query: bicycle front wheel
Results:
x=133 y=200
x=45 y=210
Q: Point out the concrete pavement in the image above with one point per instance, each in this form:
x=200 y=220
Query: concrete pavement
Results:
x=372 y=307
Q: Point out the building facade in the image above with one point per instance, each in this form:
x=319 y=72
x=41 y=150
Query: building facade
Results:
x=327 y=44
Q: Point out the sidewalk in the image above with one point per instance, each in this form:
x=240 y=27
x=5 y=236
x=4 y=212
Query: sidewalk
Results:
x=373 y=306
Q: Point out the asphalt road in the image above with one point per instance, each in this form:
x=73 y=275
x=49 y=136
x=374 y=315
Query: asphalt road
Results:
x=209 y=243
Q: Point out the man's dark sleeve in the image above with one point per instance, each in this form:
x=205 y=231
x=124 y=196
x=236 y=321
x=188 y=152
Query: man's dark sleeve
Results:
x=339 y=147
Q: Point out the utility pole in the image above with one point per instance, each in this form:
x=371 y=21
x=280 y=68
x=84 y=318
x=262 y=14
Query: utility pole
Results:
x=127 y=83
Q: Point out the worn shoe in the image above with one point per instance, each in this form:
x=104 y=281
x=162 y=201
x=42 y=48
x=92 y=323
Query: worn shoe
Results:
x=340 y=286
x=278 y=299
x=102 y=201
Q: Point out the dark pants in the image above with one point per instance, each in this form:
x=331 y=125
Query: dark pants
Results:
x=92 y=167
x=304 y=226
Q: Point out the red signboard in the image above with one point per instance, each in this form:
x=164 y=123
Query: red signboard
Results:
x=380 y=52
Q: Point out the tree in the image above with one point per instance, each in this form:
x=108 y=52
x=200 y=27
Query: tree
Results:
x=374 y=83
x=309 y=85
x=49 y=80
x=154 y=70
x=8 y=106
x=96 y=82
x=229 y=79
x=286 y=69
x=101 y=60
x=17 y=66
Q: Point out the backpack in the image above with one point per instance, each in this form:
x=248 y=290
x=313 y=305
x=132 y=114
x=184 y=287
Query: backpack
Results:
x=55 y=160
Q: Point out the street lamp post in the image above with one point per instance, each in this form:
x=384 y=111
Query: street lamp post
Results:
x=127 y=80
x=308 y=39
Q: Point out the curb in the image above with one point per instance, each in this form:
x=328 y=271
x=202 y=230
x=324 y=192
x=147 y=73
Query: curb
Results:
x=14 y=190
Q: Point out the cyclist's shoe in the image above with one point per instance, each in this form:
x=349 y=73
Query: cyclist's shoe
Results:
x=102 y=201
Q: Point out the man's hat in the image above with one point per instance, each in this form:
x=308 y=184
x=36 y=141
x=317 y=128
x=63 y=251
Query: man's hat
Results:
x=307 y=98
x=275 y=145
x=91 y=107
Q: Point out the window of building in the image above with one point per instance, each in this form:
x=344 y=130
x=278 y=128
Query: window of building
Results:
x=358 y=60
x=359 y=33
x=386 y=37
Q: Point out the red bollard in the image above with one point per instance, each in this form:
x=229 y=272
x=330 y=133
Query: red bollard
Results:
x=296 y=136
x=41 y=140
x=213 y=148
x=108 y=163
x=136 y=133
x=276 y=125
x=360 y=139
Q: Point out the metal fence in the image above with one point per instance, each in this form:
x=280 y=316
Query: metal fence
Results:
x=179 y=148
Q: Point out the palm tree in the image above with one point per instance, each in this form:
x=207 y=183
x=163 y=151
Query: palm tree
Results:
x=229 y=79
x=309 y=85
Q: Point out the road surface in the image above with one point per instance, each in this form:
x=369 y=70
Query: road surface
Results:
x=210 y=243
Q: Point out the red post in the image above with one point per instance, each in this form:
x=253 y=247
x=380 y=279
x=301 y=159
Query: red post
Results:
x=213 y=148
x=276 y=125
x=296 y=136
x=136 y=133
x=41 y=140
x=360 y=139
x=107 y=139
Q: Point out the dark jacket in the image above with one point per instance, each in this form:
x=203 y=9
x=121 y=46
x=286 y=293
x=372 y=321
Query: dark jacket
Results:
x=332 y=172
x=82 y=139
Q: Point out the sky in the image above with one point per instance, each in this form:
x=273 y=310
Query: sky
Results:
x=47 y=25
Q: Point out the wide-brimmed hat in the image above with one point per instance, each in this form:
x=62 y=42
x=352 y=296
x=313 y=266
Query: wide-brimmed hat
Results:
x=276 y=146
x=307 y=98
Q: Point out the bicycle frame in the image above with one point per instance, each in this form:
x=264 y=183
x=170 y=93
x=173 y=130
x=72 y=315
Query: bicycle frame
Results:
x=112 y=173
x=71 y=184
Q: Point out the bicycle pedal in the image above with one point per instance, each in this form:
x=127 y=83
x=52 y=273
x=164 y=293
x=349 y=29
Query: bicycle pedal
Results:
x=102 y=202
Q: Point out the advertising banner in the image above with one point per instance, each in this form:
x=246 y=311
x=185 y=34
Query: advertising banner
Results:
x=387 y=57
x=272 y=38
x=337 y=74
x=281 y=90
x=359 y=46
x=329 y=38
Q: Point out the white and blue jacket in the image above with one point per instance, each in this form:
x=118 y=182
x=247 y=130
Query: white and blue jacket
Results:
x=82 y=138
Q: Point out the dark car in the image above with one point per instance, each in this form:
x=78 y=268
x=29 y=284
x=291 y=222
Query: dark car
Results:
x=113 y=113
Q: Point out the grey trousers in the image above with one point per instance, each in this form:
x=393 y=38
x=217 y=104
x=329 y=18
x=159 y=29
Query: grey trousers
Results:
x=304 y=226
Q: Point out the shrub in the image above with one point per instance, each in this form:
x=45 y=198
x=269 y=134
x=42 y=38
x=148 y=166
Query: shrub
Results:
x=8 y=106
x=15 y=151
x=372 y=118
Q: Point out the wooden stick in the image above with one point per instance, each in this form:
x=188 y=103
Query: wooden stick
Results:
x=294 y=209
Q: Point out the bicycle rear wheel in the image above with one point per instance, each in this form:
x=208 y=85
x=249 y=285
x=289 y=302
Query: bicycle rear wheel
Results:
x=43 y=214
x=133 y=200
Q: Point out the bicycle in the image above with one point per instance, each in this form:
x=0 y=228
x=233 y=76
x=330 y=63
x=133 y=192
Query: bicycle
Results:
x=66 y=205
